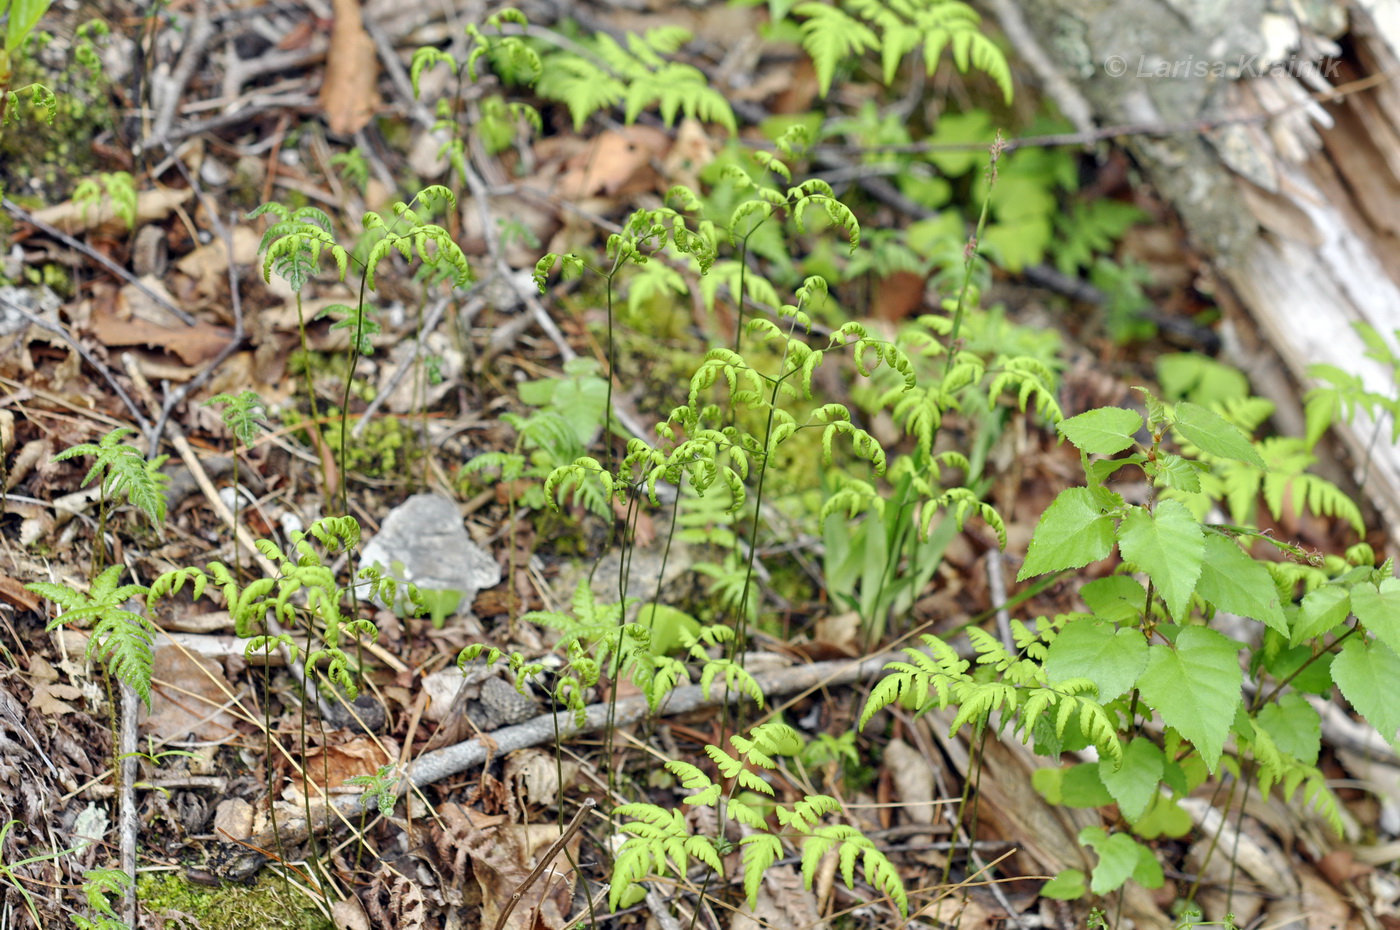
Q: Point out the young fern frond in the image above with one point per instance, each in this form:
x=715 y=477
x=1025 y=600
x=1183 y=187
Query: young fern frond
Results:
x=637 y=77
x=830 y=35
x=122 y=638
x=126 y=471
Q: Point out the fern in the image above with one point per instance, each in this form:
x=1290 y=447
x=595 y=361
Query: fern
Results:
x=831 y=35
x=240 y=413
x=294 y=242
x=100 y=886
x=126 y=472
x=121 y=638
x=111 y=191
x=660 y=841
x=636 y=77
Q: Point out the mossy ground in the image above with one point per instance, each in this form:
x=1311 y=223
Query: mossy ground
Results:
x=270 y=904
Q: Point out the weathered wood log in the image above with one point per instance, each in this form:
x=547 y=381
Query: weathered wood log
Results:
x=1277 y=140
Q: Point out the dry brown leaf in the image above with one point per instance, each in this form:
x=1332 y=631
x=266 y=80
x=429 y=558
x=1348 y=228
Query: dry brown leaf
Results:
x=193 y=344
x=1321 y=904
x=616 y=163
x=349 y=914
x=151 y=206
x=783 y=903
x=51 y=698
x=838 y=633
x=502 y=858
x=186 y=696
x=16 y=595
x=233 y=819
x=962 y=911
x=208 y=264
x=333 y=765
x=691 y=152
x=912 y=775
x=898 y=295
x=534 y=777
x=348 y=93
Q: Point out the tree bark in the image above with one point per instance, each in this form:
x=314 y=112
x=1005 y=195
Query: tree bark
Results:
x=1277 y=140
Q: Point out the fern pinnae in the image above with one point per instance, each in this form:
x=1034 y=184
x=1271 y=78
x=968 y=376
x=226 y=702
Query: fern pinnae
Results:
x=122 y=638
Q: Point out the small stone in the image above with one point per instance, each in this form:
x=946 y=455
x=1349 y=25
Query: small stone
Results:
x=424 y=542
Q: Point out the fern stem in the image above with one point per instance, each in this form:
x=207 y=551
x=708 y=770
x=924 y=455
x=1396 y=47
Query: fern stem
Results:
x=970 y=253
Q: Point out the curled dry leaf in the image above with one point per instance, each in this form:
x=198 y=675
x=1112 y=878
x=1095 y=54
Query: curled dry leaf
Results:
x=534 y=777
x=188 y=692
x=783 y=901
x=501 y=860
x=913 y=782
x=348 y=94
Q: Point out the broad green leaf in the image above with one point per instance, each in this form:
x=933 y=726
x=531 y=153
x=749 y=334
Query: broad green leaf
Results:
x=1294 y=726
x=1321 y=610
x=1234 y=582
x=1082 y=787
x=1118 y=858
x=1169 y=545
x=1067 y=886
x=1111 y=659
x=1072 y=786
x=1134 y=784
x=666 y=624
x=1195 y=685
x=1190 y=376
x=1211 y=433
x=1298 y=665
x=1367 y=673
x=1148 y=872
x=1116 y=598
x=1177 y=472
x=1071 y=533
x=1103 y=431
x=24 y=16
x=1164 y=817
x=1379 y=610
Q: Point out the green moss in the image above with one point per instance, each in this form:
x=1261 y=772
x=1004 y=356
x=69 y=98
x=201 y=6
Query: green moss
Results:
x=268 y=905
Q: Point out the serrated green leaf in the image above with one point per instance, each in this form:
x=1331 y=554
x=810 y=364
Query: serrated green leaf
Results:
x=1103 y=431
x=1212 y=433
x=1118 y=858
x=1112 y=659
x=1164 y=817
x=1148 y=872
x=1321 y=610
x=1067 y=886
x=1378 y=609
x=1071 y=533
x=1116 y=598
x=1234 y=582
x=1195 y=684
x=1134 y=784
x=1367 y=672
x=1167 y=544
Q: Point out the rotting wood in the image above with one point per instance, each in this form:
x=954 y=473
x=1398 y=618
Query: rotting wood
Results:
x=1290 y=184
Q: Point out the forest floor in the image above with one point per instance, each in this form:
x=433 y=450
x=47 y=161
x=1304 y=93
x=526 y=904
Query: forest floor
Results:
x=136 y=324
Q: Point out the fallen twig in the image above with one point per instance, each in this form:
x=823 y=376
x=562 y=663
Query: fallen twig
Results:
x=434 y=766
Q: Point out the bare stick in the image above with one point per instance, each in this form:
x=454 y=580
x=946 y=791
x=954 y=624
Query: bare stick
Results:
x=434 y=766
x=546 y=859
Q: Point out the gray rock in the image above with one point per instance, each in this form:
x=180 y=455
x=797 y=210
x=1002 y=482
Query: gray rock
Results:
x=423 y=541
